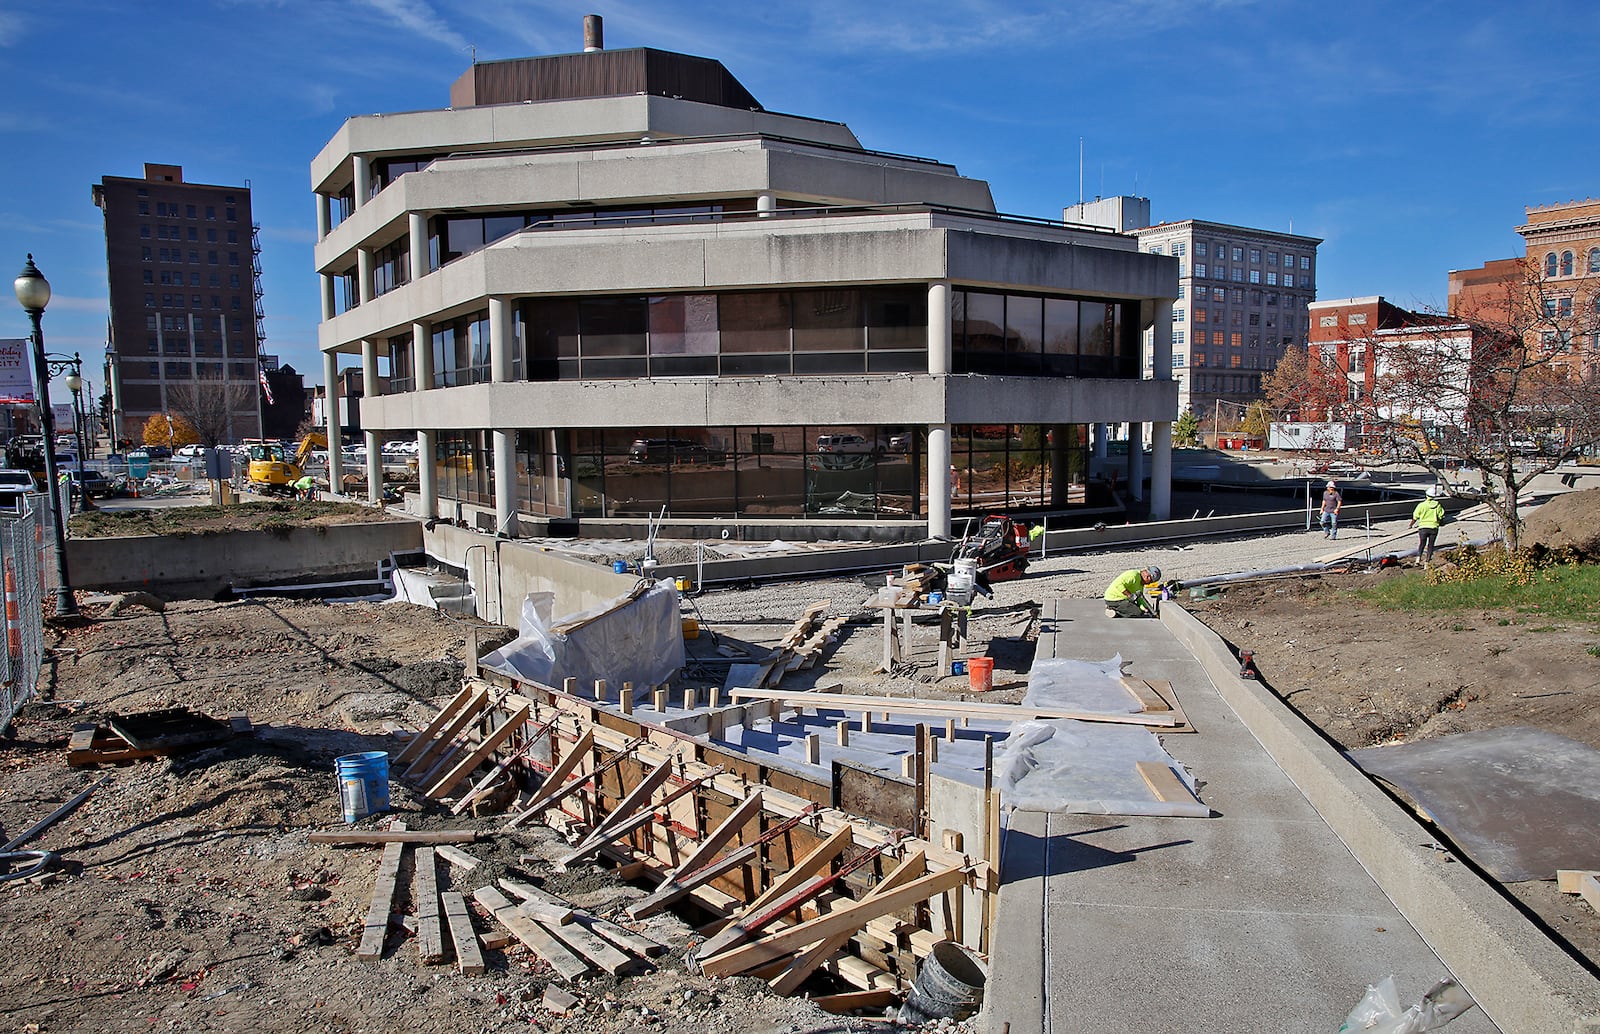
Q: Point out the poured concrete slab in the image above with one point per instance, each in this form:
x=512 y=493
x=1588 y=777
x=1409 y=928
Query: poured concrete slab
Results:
x=1520 y=802
x=1257 y=919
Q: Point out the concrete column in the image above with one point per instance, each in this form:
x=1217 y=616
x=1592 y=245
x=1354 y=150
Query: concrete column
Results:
x=766 y=205
x=501 y=337
x=505 y=483
x=1135 y=461
x=938 y=480
x=330 y=376
x=1161 y=471
x=418 y=239
x=327 y=296
x=1161 y=347
x=364 y=274
x=422 y=355
x=369 y=390
x=1059 y=478
x=322 y=216
x=1101 y=433
x=427 y=483
x=363 y=173
x=939 y=340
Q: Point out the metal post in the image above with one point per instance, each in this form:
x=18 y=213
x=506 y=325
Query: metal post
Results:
x=66 y=604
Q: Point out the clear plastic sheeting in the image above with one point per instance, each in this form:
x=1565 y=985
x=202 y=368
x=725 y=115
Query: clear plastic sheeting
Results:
x=1082 y=766
x=1079 y=686
x=621 y=640
x=1085 y=768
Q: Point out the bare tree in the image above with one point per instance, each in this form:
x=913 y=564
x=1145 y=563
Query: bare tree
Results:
x=1504 y=392
x=1302 y=388
x=210 y=404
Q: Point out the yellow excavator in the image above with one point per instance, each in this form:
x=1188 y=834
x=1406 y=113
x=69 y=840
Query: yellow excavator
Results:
x=272 y=472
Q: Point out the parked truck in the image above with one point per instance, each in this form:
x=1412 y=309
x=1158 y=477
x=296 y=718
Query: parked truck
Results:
x=1326 y=436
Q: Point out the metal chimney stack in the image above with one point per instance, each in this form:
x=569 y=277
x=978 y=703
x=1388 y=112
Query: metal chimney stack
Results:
x=594 y=33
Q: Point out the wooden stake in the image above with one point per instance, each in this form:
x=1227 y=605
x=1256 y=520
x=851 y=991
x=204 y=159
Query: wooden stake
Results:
x=661 y=700
x=842 y=732
x=813 y=749
x=949 y=730
x=715 y=694
x=627 y=698
x=600 y=690
x=689 y=702
x=490 y=744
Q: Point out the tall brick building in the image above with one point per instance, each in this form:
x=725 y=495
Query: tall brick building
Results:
x=185 y=297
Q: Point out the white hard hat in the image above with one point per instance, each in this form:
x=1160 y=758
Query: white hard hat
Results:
x=1332 y=485
x=1433 y=492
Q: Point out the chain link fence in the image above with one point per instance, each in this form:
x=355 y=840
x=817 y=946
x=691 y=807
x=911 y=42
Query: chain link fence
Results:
x=27 y=575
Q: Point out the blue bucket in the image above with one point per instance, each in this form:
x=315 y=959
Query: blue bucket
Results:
x=958 y=667
x=363 y=783
x=619 y=566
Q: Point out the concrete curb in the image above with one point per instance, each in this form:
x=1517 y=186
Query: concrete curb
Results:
x=1516 y=974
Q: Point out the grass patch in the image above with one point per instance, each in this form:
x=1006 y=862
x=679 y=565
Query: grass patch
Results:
x=1593 y=651
x=276 y=515
x=1564 y=592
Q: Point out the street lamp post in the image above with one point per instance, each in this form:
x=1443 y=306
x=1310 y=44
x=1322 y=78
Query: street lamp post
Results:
x=74 y=380
x=33 y=292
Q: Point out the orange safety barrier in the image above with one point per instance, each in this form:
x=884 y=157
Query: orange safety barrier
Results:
x=13 y=618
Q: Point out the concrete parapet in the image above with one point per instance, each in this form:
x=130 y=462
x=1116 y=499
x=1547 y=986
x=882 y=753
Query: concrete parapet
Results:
x=1517 y=975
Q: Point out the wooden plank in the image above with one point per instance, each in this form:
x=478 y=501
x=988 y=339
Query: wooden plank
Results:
x=806 y=963
x=599 y=952
x=914 y=705
x=623 y=937
x=563 y=769
x=1589 y=890
x=434 y=753
x=820 y=857
x=745 y=675
x=482 y=786
x=490 y=744
x=1144 y=694
x=456 y=857
x=469 y=957
x=539 y=940
x=396 y=834
x=1570 y=881
x=539 y=905
x=1163 y=782
x=675 y=886
x=382 y=903
x=847 y=919
x=635 y=799
x=425 y=895
x=610 y=832
x=426 y=737
x=672 y=890
x=854 y=1001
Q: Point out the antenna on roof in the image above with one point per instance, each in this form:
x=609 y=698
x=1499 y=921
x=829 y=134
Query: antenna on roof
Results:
x=1080 y=171
x=473 y=50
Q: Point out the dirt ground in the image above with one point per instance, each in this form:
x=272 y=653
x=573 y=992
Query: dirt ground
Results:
x=204 y=520
x=1366 y=676
x=190 y=898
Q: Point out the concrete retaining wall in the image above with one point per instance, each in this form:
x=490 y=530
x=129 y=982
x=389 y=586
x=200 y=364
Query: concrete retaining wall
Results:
x=1517 y=975
x=503 y=571
x=203 y=565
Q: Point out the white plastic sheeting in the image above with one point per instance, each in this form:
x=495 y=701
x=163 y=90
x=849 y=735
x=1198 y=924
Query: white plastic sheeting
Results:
x=639 y=641
x=1083 y=766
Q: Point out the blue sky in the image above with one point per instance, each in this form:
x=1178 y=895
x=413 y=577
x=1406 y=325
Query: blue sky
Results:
x=1408 y=136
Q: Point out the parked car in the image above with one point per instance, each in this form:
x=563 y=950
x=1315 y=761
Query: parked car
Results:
x=14 y=484
x=671 y=450
x=846 y=443
x=92 y=483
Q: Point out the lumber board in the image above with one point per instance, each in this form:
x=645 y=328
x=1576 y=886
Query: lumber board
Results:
x=396 y=834
x=425 y=894
x=622 y=937
x=490 y=744
x=469 y=957
x=957 y=708
x=853 y=1001
x=564 y=768
x=741 y=674
x=687 y=875
x=538 y=904
x=1163 y=782
x=460 y=720
x=806 y=963
x=1570 y=881
x=850 y=918
x=456 y=857
x=672 y=890
x=539 y=940
x=1589 y=890
x=413 y=746
x=819 y=858
x=610 y=832
x=1144 y=694
x=599 y=952
x=382 y=903
x=482 y=786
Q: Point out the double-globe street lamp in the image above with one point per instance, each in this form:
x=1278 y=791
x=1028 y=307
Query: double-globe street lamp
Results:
x=33 y=292
x=73 y=368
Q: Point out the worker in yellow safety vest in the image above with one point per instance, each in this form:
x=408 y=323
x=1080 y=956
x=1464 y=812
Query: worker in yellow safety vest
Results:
x=1125 y=596
x=1426 y=518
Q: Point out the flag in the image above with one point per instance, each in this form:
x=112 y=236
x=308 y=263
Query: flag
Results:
x=266 y=389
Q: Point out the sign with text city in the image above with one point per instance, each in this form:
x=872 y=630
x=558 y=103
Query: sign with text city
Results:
x=16 y=383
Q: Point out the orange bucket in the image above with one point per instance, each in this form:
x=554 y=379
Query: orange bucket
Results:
x=980 y=674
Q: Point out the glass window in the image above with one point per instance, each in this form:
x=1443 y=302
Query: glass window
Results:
x=754 y=321
x=613 y=326
x=1594 y=260
x=1566 y=263
x=1288 y=279
x=1200 y=249
x=683 y=324
x=1060 y=337
x=1200 y=269
x=1024 y=334
x=1177 y=315
x=1272 y=258
x=1272 y=279
x=985 y=332
x=827 y=321
x=1238 y=274
x=1238 y=254
x=1305 y=261
x=1255 y=276
x=552 y=338
x=897 y=318
x=1255 y=256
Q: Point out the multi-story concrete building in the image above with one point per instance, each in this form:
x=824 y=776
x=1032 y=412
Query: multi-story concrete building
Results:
x=604 y=283
x=1242 y=298
x=185 y=299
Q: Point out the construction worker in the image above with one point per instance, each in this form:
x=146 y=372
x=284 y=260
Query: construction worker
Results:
x=1332 y=503
x=1426 y=518
x=306 y=488
x=1125 y=597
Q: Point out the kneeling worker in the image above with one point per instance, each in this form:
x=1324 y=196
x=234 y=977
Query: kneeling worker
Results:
x=1125 y=596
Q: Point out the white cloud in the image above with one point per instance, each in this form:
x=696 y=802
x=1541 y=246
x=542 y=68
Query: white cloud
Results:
x=417 y=17
x=64 y=302
x=11 y=28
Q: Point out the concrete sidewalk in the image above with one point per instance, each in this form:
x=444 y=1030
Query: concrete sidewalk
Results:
x=1257 y=919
